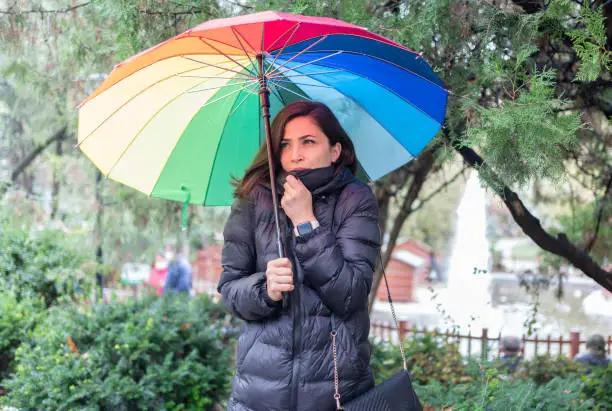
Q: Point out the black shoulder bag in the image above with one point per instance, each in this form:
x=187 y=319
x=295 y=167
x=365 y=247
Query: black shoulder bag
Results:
x=393 y=394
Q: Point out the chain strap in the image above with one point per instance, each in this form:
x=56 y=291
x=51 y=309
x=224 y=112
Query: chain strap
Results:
x=334 y=333
x=336 y=383
x=401 y=343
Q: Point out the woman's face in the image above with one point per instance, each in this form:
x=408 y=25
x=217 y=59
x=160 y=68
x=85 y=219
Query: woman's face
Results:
x=305 y=146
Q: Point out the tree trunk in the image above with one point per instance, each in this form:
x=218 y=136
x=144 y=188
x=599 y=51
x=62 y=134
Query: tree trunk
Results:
x=98 y=236
x=420 y=169
x=559 y=245
x=57 y=172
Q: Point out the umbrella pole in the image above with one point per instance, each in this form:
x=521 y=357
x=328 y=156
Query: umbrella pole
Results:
x=264 y=93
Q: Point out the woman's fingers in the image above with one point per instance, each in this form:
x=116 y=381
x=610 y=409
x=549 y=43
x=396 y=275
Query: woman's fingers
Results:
x=282 y=287
x=279 y=262
x=282 y=279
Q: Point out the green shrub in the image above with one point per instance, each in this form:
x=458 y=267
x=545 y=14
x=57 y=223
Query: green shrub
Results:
x=495 y=394
x=543 y=368
x=40 y=264
x=167 y=353
x=428 y=358
x=598 y=386
x=443 y=379
x=17 y=321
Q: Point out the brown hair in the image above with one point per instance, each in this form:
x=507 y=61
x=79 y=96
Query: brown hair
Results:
x=259 y=172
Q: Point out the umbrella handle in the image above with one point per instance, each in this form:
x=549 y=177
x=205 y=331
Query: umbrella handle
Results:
x=264 y=94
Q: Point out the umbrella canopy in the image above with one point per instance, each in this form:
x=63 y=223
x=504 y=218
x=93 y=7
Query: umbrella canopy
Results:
x=178 y=120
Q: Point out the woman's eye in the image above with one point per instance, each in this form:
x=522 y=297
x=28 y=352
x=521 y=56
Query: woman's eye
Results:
x=309 y=141
x=283 y=145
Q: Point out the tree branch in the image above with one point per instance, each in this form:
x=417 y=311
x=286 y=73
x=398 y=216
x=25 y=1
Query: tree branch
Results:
x=530 y=6
x=600 y=211
x=442 y=187
x=40 y=10
x=531 y=226
x=59 y=135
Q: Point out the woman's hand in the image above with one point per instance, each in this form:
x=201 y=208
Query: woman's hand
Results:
x=279 y=278
x=297 y=201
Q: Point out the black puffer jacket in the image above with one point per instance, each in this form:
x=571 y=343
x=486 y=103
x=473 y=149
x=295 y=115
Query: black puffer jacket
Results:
x=284 y=358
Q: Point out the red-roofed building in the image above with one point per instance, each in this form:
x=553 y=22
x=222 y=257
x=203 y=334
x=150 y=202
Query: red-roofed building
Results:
x=409 y=267
x=207 y=269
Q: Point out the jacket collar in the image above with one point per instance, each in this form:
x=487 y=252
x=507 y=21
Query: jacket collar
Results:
x=320 y=181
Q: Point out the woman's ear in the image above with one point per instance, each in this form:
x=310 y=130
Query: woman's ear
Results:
x=336 y=151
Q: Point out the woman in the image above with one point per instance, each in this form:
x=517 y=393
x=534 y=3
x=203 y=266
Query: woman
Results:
x=329 y=225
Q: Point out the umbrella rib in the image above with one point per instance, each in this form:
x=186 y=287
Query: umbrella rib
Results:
x=218 y=87
x=215 y=66
x=242 y=46
x=222 y=42
x=216 y=157
x=243 y=88
x=293 y=92
x=276 y=70
x=387 y=62
x=302 y=84
x=281 y=36
x=278 y=95
x=275 y=91
x=304 y=64
x=311 y=74
x=296 y=26
x=361 y=36
x=136 y=95
x=263 y=38
x=390 y=91
x=239 y=104
x=208 y=77
x=219 y=51
x=125 y=150
x=358 y=103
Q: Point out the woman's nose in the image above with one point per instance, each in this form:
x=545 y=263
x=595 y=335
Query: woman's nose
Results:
x=296 y=153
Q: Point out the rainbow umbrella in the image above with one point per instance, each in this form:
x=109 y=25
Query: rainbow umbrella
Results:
x=178 y=120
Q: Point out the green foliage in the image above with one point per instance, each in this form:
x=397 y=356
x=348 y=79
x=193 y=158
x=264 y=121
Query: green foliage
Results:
x=168 y=353
x=41 y=265
x=385 y=360
x=543 y=369
x=590 y=44
x=598 y=386
x=526 y=138
x=432 y=358
x=493 y=393
x=429 y=358
x=142 y=24
x=17 y=320
x=582 y=219
x=443 y=379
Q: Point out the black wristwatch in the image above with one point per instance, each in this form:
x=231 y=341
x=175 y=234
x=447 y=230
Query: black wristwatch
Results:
x=305 y=228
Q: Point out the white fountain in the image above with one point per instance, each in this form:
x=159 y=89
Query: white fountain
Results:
x=466 y=301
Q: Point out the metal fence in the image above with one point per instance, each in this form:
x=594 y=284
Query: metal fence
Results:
x=485 y=345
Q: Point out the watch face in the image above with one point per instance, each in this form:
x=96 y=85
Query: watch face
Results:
x=304 y=228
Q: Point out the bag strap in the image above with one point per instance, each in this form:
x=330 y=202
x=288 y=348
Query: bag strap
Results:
x=334 y=333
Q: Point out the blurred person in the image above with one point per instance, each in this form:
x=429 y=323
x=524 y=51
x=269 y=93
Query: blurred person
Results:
x=159 y=271
x=179 y=278
x=596 y=352
x=510 y=349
